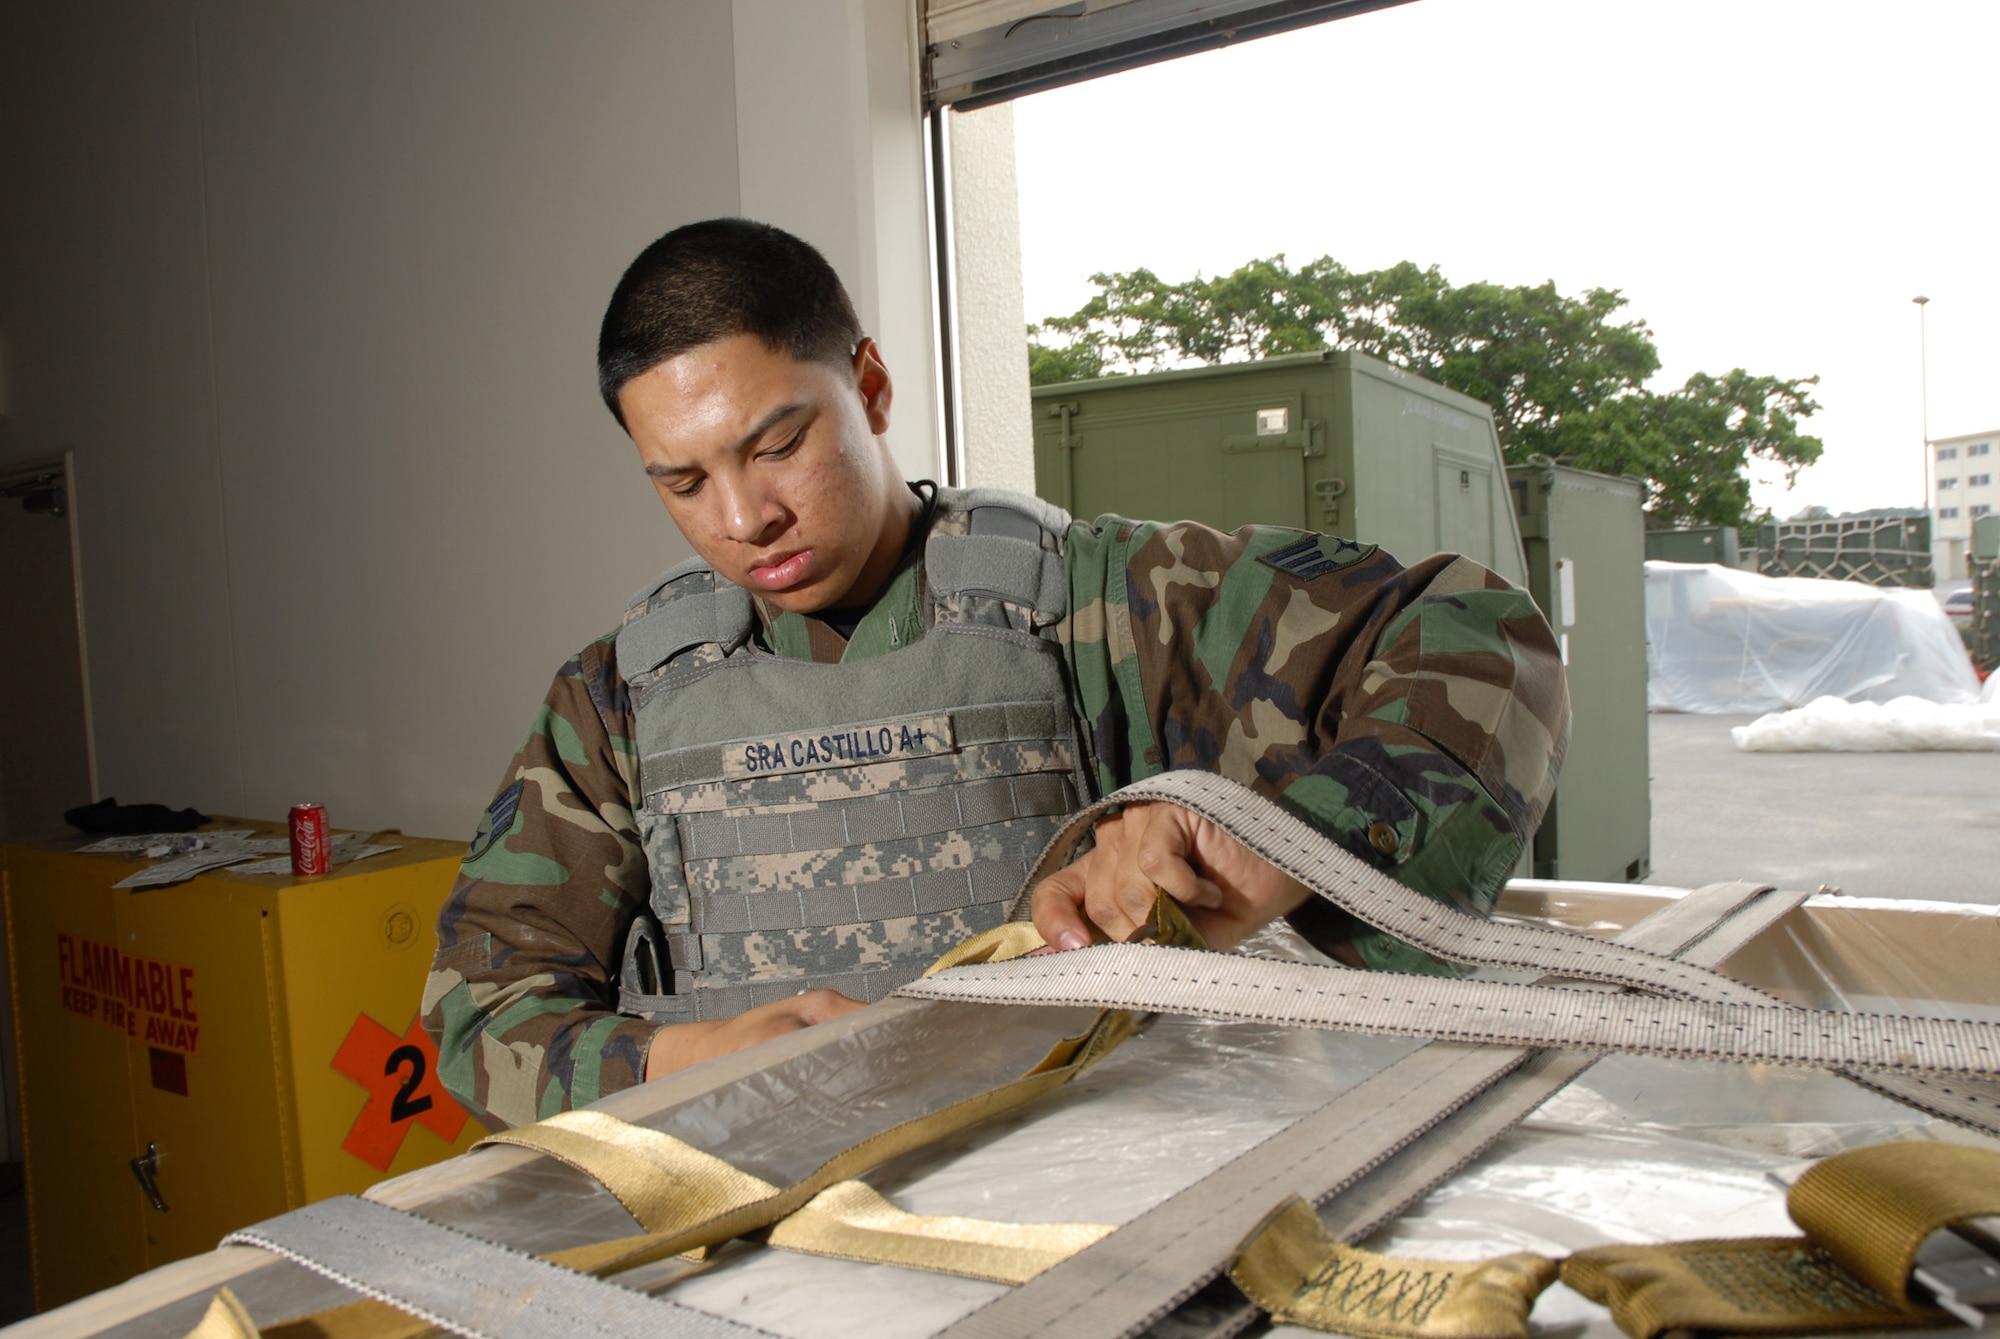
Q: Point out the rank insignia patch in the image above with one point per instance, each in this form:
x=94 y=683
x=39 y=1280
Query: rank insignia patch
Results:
x=1316 y=555
x=496 y=822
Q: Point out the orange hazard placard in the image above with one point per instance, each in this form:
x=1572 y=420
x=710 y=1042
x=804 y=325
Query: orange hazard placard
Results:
x=400 y=1074
x=150 y=1000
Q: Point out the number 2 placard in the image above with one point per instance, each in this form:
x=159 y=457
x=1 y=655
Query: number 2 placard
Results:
x=400 y=1074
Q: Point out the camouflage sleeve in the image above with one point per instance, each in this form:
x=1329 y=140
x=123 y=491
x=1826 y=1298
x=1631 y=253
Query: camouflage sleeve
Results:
x=521 y=996
x=1417 y=715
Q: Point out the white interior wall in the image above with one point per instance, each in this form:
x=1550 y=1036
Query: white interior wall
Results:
x=829 y=145
x=313 y=293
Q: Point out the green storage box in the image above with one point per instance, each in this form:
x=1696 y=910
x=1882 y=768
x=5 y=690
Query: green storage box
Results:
x=1336 y=442
x=1585 y=539
x=1696 y=544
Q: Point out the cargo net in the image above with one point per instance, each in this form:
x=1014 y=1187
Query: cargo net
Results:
x=1880 y=550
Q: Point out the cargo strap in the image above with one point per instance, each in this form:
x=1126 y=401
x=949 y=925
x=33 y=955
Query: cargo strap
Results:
x=1865 y=1213
x=224 y=1319
x=686 y=1200
x=1212 y=985
x=465 y=1284
x=1704 y=927
x=669 y=1187
x=1371 y=896
x=1298 y=1274
x=1152 y=1264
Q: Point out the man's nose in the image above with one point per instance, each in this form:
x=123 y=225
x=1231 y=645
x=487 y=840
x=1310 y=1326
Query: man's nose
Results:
x=749 y=513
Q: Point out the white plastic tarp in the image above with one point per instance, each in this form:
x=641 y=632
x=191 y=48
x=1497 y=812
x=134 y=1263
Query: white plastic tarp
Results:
x=1721 y=640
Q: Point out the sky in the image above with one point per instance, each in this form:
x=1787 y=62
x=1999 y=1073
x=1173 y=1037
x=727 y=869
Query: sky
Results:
x=1768 y=182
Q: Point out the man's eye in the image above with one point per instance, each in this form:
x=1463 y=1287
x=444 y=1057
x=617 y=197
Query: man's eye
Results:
x=780 y=452
x=686 y=490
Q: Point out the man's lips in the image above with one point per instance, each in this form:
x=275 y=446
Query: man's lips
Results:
x=783 y=574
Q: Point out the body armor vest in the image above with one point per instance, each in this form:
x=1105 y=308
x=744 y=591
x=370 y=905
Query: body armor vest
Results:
x=811 y=825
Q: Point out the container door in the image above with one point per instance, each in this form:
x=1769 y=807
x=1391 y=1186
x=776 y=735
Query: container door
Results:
x=85 y=1208
x=201 y=1056
x=1465 y=505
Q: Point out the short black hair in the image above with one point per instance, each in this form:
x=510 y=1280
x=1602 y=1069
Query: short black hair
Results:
x=715 y=279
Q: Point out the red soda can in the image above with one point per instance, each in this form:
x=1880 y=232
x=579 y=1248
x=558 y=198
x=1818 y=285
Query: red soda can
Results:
x=312 y=840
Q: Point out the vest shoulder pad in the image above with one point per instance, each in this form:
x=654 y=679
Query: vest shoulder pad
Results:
x=1003 y=555
x=686 y=607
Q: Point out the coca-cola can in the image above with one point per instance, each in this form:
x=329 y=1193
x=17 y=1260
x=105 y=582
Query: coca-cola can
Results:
x=312 y=840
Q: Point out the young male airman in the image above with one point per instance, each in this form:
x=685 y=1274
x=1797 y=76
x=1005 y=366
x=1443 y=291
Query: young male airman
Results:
x=830 y=747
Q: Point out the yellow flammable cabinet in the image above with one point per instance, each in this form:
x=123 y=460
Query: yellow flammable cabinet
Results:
x=198 y=1057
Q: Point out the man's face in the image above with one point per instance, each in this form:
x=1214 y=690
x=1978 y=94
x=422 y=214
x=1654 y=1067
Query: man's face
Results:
x=773 y=470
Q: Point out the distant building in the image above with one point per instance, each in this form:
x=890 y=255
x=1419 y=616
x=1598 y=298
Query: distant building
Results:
x=1963 y=470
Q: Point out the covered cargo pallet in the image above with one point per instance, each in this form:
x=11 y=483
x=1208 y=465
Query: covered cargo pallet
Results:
x=1165 y=1156
x=1719 y=640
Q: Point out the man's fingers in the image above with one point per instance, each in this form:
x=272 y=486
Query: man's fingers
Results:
x=1056 y=905
x=820 y=1006
x=1163 y=861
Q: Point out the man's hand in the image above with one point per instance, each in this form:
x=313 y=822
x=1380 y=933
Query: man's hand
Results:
x=682 y=1044
x=1144 y=849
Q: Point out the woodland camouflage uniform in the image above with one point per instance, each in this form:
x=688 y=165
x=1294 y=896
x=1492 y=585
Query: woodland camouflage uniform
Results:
x=1417 y=715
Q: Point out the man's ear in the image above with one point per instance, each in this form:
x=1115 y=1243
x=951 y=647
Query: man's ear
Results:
x=871 y=379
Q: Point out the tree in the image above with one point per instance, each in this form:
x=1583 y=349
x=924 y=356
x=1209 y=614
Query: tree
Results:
x=1693 y=446
x=1564 y=378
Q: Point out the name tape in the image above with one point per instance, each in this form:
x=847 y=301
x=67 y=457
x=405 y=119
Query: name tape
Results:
x=844 y=746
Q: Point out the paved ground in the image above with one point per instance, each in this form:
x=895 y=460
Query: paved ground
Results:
x=1923 y=825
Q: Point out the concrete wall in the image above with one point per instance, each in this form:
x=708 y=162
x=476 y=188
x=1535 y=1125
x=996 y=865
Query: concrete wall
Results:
x=312 y=291
x=994 y=408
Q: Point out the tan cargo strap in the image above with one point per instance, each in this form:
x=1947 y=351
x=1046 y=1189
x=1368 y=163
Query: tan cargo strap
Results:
x=1371 y=896
x=670 y=1187
x=1865 y=1214
x=224 y=1319
x=1299 y=1274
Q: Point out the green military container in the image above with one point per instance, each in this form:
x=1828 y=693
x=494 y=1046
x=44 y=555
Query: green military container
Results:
x=1585 y=539
x=1696 y=544
x=1337 y=442
x=1344 y=443
x=1982 y=638
x=1986 y=538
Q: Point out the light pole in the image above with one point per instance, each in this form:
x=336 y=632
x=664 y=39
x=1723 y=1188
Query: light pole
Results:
x=1924 y=382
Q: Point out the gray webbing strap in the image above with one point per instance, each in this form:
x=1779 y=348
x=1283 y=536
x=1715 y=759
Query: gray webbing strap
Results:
x=1687 y=927
x=1734 y=913
x=1202 y=984
x=1973 y=1103
x=1691 y=919
x=1719 y=946
x=1129 y=1279
x=467 y=1285
x=1473 y=1095
x=1373 y=897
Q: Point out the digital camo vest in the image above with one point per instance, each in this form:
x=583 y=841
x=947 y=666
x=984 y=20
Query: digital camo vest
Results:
x=813 y=825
